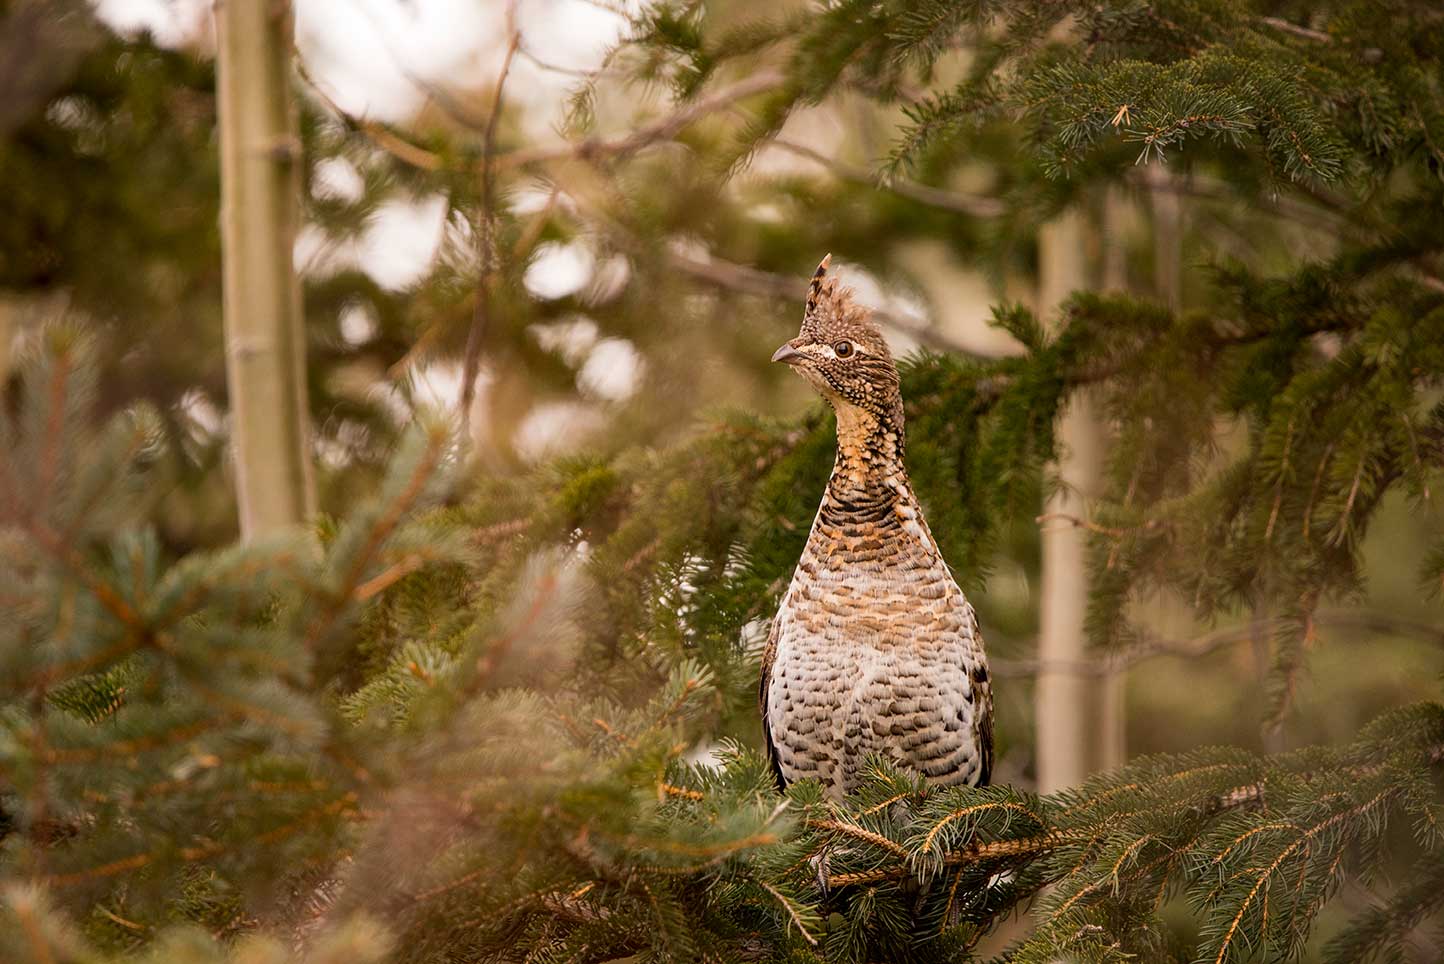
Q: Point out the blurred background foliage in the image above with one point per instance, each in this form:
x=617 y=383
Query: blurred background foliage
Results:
x=624 y=233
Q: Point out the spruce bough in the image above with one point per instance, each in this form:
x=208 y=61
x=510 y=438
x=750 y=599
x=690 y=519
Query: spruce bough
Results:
x=182 y=740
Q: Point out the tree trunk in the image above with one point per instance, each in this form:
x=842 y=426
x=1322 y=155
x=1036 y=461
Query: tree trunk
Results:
x=1068 y=700
x=8 y=312
x=1118 y=212
x=1166 y=208
x=264 y=328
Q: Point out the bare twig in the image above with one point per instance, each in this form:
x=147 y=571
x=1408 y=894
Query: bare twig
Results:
x=1296 y=30
x=1125 y=659
x=485 y=255
x=973 y=205
x=1077 y=523
x=1207 y=188
x=1426 y=279
x=748 y=280
x=662 y=129
x=557 y=68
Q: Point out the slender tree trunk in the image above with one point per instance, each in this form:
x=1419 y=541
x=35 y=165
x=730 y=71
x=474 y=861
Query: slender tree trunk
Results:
x=8 y=312
x=1067 y=710
x=1166 y=208
x=1113 y=723
x=264 y=328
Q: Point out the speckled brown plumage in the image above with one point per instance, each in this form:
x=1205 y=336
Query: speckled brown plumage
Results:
x=874 y=648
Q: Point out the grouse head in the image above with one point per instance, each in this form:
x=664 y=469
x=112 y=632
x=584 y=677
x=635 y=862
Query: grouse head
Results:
x=842 y=353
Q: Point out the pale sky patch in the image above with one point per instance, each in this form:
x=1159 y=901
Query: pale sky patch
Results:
x=336 y=179
x=172 y=23
x=558 y=270
x=612 y=371
x=437 y=385
x=357 y=323
x=869 y=291
x=554 y=428
x=569 y=33
x=205 y=417
x=608 y=280
x=318 y=255
x=401 y=240
x=571 y=339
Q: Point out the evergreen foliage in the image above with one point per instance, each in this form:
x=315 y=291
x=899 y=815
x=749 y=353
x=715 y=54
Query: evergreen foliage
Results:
x=177 y=737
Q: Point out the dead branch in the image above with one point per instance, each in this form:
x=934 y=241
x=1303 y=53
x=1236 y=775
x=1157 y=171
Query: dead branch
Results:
x=485 y=253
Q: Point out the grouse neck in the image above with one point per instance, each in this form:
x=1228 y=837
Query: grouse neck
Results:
x=869 y=468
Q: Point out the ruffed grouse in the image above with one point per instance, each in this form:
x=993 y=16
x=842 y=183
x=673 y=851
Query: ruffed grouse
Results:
x=874 y=649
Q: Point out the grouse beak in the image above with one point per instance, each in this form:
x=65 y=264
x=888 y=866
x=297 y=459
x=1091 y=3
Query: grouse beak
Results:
x=787 y=354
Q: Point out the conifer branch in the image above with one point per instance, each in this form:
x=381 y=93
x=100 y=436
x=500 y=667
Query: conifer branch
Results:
x=380 y=530
x=1025 y=848
x=206 y=850
x=1039 y=845
x=861 y=833
x=792 y=912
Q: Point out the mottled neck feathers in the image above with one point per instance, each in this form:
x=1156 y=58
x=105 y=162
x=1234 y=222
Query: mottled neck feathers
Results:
x=868 y=476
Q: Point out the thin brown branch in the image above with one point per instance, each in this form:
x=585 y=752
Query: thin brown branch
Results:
x=1080 y=523
x=129 y=747
x=500 y=530
x=1205 y=188
x=50 y=445
x=485 y=242
x=1279 y=483
x=973 y=205
x=1125 y=659
x=206 y=850
x=662 y=129
x=378 y=134
x=791 y=912
x=556 y=68
x=398 y=147
x=1296 y=30
x=976 y=853
x=380 y=531
x=487 y=662
x=1314 y=491
x=744 y=279
x=389 y=576
x=861 y=833
x=571 y=907
x=104 y=593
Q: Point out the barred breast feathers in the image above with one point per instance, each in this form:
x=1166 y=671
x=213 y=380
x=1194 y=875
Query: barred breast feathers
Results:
x=874 y=648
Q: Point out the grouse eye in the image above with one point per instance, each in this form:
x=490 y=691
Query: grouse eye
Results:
x=843 y=349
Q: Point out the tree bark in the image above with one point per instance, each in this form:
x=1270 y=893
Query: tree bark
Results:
x=1166 y=207
x=1071 y=726
x=1118 y=213
x=264 y=327
x=8 y=311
